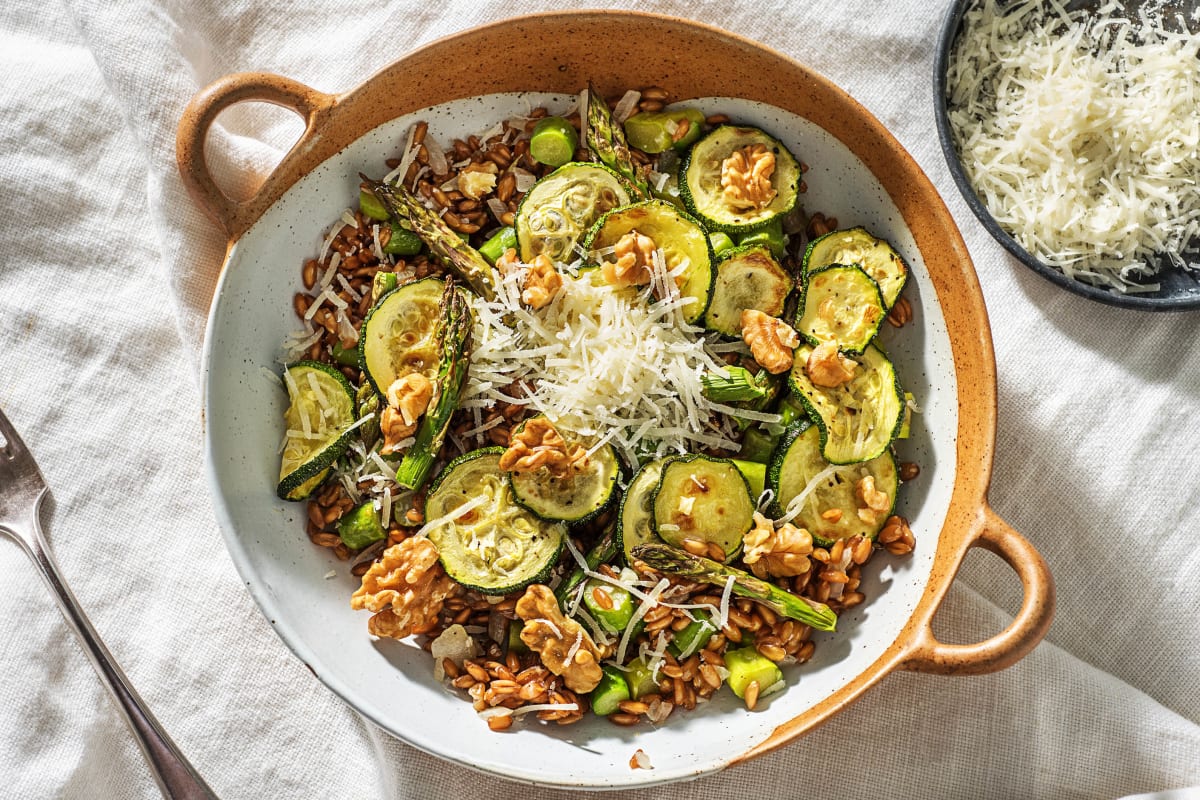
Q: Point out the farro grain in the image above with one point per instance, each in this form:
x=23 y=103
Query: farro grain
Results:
x=909 y=470
x=500 y=722
x=751 y=696
x=650 y=105
x=717 y=119
x=623 y=719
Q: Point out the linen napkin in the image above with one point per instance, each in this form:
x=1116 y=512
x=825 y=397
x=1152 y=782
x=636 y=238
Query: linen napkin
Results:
x=104 y=287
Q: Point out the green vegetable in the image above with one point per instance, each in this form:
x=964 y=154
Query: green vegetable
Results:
x=692 y=638
x=346 y=356
x=381 y=284
x=798 y=460
x=739 y=385
x=755 y=473
x=553 y=141
x=696 y=568
x=840 y=304
x=603 y=551
x=399 y=333
x=574 y=498
x=637 y=508
x=515 y=643
x=402 y=241
x=607 y=141
x=370 y=205
x=721 y=243
x=656 y=131
x=640 y=679
x=745 y=665
x=771 y=235
x=747 y=277
x=361 y=527
x=558 y=210
x=791 y=409
x=458 y=256
x=329 y=409
x=858 y=420
x=500 y=242
x=612 y=690
x=617 y=617
x=497 y=547
x=703 y=194
x=704 y=498
x=453 y=336
x=859 y=247
x=680 y=237
x=757 y=445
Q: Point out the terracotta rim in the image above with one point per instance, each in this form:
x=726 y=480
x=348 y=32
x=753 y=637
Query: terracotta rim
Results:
x=334 y=121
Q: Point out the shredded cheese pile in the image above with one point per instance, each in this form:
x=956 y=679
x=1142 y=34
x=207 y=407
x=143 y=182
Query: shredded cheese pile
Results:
x=614 y=364
x=1081 y=135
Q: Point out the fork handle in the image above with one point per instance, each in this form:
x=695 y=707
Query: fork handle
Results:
x=176 y=778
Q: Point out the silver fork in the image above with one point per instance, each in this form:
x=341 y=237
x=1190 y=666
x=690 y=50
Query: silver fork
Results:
x=22 y=490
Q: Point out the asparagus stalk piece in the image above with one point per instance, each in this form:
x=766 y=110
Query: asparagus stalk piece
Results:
x=606 y=139
x=696 y=568
x=605 y=549
x=454 y=347
x=462 y=259
x=740 y=385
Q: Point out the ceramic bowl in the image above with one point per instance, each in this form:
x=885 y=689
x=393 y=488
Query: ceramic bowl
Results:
x=858 y=174
x=1178 y=290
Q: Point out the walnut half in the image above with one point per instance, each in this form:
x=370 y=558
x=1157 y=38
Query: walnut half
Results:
x=405 y=588
x=635 y=254
x=777 y=553
x=408 y=398
x=553 y=636
x=746 y=177
x=771 y=340
x=538 y=444
x=828 y=368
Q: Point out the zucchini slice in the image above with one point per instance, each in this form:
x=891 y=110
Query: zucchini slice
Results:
x=798 y=460
x=840 y=304
x=705 y=498
x=574 y=499
x=496 y=547
x=747 y=277
x=701 y=191
x=560 y=208
x=680 y=237
x=633 y=520
x=858 y=246
x=319 y=414
x=398 y=334
x=860 y=419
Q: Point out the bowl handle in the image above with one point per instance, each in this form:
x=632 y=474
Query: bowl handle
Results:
x=235 y=215
x=1015 y=641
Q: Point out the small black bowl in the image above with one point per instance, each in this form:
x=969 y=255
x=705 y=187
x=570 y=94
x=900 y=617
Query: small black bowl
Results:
x=1178 y=291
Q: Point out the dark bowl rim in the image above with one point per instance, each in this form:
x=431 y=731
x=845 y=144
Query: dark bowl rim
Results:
x=1145 y=302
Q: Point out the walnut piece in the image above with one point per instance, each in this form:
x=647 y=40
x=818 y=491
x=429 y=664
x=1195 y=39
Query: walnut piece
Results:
x=771 y=340
x=777 y=553
x=477 y=180
x=746 y=177
x=874 y=501
x=538 y=444
x=553 y=636
x=405 y=589
x=408 y=398
x=828 y=368
x=635 y=253
x=542 y=282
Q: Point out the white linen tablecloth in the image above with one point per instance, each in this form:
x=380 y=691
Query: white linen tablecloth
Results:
x=105 y=280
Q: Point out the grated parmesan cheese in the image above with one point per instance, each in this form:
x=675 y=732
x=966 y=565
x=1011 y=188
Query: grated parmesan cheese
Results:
x=1080 y=135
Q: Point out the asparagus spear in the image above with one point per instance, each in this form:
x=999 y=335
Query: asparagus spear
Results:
x=696 y=568
x=740 y=385
x=605 y=549
x=454 y=347
x=607 y=140
x=462 y=259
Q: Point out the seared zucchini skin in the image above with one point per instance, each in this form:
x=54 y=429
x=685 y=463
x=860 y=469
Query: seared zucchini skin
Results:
x=747 y=277
x=700 y=180
x=637 y=508
x=798 y=458
x=860 y=247
x=678 y=234
x=719 y=506
x=545 y=544
x=304 y=479
x=824 y=406
x=859 y=308
x=574 y=500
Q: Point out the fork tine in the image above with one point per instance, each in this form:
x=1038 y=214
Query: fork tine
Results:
x=12 y=442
